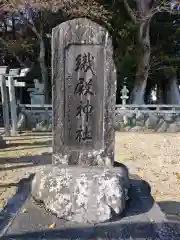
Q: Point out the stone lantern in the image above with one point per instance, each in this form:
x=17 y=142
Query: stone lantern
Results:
x=124 y=97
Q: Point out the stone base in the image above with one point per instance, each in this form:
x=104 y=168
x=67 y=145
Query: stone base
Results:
x=23 y=219
x=82 y=194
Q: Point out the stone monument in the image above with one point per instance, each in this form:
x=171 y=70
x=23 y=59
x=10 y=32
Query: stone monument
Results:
x=37 y=93
x=82 y=185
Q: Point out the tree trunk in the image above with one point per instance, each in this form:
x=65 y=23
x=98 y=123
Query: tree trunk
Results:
x=138 y=92
x=160 y=94
x=147 y=97
x=172 y=91
x=44 y=71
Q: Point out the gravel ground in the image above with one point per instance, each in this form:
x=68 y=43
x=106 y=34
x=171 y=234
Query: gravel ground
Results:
x=22 y=157
x=154 y=157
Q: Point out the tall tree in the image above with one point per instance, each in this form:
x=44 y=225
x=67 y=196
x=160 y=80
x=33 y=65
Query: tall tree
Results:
x=37 y=22
x=141 y=13
x=165 y=60
x=95 y=10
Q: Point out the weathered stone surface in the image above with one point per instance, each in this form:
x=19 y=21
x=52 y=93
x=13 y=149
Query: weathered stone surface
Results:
x=177 y=118
x=129 y=114
x=117 y=126
x=173 y=128
x=140 y=116
x=160 y=122
x=119 y=118
x=163 y=127
x=151 y=121
x=178 y=123
x=82 y=194
x=22 y=123
x=84 y=88
x=71 y=41
x=168 y=118
x=140 y=123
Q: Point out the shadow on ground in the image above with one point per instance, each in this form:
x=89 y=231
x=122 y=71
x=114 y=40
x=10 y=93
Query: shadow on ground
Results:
x=25 y=147
x=27 y=134
x=8 y=185
x=15 y=203
x=36 y=143
x=120 y=228
x=25 y=142
x=105 y=232
x=171 y=209
x=26 y=161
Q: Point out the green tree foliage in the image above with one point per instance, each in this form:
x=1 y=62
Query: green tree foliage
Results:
x=165 y=35
x=112 y=14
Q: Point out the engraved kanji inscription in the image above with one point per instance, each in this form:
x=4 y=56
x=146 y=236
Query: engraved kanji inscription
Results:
x=85 y=62
x=84 y=97
x=84 y=108
x=84 y=87
x=83 y=134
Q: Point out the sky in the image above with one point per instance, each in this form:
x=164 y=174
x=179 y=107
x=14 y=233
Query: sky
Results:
x=175 y=5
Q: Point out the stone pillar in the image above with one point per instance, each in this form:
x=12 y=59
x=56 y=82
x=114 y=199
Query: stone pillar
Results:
x=5 y=102
x=84 y=87
x=13 y=105
x=82 y=185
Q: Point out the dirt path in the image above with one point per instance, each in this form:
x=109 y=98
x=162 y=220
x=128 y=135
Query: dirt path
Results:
x=154 y=157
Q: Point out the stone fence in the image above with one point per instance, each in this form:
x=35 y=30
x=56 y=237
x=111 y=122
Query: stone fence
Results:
x=145 y=118
x=129 y=118
x=35 y=117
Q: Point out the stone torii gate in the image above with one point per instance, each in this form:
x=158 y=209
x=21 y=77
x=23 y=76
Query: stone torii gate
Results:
x=11 y=84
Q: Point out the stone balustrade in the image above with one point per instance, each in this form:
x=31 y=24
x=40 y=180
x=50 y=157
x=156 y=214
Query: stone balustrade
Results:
x=139 y=118
x=143 y=118
x=38 y=117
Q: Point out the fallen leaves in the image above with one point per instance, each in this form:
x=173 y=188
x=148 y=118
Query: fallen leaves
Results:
x=52 y=225
x=177 y=176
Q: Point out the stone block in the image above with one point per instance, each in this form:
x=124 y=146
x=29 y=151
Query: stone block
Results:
x=173 y=128
x=168 y=118
x=84 y=94
x=140 y=123
x=82 y=194
x=163 y=127
x=151 y=121
x=140 y=116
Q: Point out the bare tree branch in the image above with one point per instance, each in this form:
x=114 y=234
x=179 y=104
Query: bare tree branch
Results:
x=164 y=6
x=130 y=12
x=2 y=41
